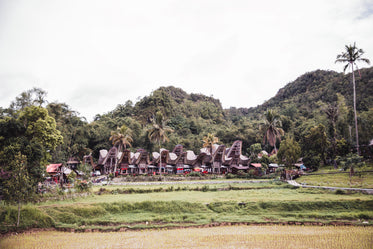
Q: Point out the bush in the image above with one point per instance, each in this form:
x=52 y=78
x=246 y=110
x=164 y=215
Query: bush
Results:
x=351 y=161
x=251 y=173
x=82 y=186
x=194 y=173
x=241 y=174
x=230 y=176
x=339 y=192
x=312 y=162
x=205 y=188
x=31 y=217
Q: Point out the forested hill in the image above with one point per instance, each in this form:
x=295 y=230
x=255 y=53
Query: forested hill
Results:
x=302 y=105
x=303 y=96
x=306 y=93
x=172 y=102
x=307 y=102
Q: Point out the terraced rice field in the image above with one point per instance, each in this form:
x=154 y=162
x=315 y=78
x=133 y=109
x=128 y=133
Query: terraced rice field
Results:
x=213 y=237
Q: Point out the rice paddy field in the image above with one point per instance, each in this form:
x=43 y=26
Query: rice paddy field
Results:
x=268 y=214
x=114 y=208
x=212 y=237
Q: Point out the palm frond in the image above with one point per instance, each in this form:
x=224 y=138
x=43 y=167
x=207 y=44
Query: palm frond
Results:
x=364 y=60
x=345 y=67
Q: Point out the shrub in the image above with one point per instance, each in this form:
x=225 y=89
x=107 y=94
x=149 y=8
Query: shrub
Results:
x=205 y=188
x=82 y=185
x=230 y=176
x=312 y=162
x=195 y=173
x=339 y=192
x=241 y=174
x=31 y=217
x=351 y=161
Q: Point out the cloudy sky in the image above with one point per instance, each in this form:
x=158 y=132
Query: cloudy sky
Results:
x=94 y=55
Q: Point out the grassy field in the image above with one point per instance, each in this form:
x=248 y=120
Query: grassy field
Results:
x=112 y=208
x=281 y=193
x=358 y=180
x=214 y=237
x=218 y=184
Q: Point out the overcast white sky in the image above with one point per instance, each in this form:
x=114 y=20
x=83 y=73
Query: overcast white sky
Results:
x=94 y=55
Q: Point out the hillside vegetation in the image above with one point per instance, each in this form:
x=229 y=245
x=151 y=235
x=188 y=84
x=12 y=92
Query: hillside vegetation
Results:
x=303 y=105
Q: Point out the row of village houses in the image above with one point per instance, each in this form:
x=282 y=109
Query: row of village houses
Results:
x=216 y=160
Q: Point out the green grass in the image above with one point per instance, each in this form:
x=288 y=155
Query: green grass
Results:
x=148 y=214
x=31 y=217
x=358 y=180
x=153 y=208
x=275 y=194
x=181 y=185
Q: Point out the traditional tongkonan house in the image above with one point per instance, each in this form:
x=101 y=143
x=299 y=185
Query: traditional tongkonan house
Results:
x=218 y=160
x=54 y=170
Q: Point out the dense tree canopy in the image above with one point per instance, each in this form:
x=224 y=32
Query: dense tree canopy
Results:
x=289 y=152
x=33 y=133
x=27 y=139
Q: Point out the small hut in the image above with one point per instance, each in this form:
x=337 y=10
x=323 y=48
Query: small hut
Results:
x=256 y=167
x=54 y=169
x=73 y=163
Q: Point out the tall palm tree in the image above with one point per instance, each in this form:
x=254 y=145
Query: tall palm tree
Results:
x=122 y=137
x=158 y=133
x=351 y=55
x=209 y=141
x=272 y=128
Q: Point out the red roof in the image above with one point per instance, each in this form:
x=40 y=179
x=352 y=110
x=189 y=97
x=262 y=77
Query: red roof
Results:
x=53 y=168
x=256 y=165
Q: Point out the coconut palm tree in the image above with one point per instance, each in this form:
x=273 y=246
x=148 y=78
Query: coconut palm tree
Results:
x=209 y=141
x=158 y=133
x=122 y=137
x=272 y=128
x=351 y=55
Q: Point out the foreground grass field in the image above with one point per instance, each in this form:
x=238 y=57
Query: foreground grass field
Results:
x=214 y=237
x=138 y=207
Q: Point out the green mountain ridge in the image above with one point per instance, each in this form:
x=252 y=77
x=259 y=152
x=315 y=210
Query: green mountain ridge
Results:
x=320 y=85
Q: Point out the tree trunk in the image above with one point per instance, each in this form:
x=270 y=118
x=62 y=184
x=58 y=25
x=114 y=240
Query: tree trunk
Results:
x=19 y=213
x=334 y=141
x=160 y=159
x=356 y=129
x=116 y=159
